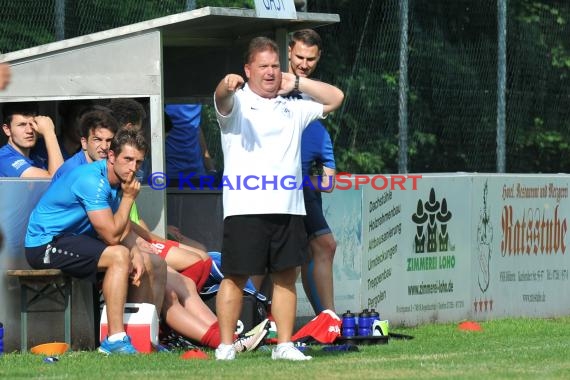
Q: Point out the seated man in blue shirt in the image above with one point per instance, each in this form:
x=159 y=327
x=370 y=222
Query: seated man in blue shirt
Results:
x=22 y=125
x=97 y=130
x=78 y=227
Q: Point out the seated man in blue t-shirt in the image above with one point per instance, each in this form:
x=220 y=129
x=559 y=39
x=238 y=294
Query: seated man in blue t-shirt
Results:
x=78 y=227
x=97 y=130
x=22 y=125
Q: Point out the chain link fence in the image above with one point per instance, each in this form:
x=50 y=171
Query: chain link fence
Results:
x=452 y=94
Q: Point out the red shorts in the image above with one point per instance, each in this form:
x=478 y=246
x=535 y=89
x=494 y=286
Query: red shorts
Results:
x=164 y=247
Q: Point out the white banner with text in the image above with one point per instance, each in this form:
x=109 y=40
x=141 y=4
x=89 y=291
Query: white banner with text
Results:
x=450 y=247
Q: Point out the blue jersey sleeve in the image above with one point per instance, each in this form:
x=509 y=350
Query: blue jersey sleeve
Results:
x=327 y=152
x=12 y=163
x=13 y=168
x=316 y=146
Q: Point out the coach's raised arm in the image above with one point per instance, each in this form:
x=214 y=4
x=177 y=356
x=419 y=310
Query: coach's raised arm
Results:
x=328 y=95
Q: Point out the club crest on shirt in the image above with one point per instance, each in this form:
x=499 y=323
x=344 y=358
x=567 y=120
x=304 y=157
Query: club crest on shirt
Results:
x=286 y=112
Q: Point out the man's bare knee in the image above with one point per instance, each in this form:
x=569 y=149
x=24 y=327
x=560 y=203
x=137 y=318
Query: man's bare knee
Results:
x=326 y=245
x=116 y=256
x=285 y=278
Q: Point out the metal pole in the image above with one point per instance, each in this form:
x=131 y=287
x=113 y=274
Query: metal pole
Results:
x=59 y=20
x=282 y=38
x=403 y=90
x=501 y=84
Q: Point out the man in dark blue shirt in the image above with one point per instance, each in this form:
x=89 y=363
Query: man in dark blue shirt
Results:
x=316 y=151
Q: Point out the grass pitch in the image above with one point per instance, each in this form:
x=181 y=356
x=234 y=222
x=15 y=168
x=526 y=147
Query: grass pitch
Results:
x=505 y=349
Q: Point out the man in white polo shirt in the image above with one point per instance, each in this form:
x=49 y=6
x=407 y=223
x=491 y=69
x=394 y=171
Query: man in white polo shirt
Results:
x=263 y=219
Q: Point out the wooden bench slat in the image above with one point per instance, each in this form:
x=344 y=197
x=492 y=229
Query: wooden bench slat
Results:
x=34 y=272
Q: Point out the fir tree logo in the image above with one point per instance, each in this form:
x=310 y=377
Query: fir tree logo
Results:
x=431 y=219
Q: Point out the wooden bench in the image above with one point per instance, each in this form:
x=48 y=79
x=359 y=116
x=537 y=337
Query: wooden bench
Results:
x=41 y=285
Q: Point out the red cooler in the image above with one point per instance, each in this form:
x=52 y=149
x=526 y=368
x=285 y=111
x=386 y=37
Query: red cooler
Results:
x=141 y=324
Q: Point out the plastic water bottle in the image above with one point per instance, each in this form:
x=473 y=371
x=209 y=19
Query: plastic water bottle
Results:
x=364 y=326
x=374 y=316
x=348 y=324
x=1 y=338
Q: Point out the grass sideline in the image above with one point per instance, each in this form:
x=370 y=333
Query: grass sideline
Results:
x=506 y=349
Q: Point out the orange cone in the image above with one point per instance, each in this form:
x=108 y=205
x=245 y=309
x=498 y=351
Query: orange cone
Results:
x=470 y=326
x=194 y=353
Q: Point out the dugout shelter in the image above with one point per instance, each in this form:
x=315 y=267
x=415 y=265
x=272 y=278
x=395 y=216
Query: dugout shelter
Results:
x=174 y=59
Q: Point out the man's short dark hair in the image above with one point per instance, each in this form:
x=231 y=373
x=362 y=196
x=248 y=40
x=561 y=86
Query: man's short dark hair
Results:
x=258 y=45
x=97 y=118
x=307 y=36
x=127 y=111
x=19 y=108
x=130 y=137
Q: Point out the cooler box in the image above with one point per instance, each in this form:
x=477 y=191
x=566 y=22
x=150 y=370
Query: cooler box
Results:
x=141 y=324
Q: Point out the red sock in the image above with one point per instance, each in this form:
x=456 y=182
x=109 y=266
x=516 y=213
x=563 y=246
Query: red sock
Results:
x=212 y=337
x=194 y=272
x=206 y=266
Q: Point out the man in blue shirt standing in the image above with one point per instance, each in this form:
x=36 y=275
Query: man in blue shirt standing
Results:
x=316 y=150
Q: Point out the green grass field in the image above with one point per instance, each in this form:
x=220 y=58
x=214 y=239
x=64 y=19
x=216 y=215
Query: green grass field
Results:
x=505 y=349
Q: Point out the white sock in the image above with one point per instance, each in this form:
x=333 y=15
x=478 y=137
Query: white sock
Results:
x=117 y=337
x=283 y=345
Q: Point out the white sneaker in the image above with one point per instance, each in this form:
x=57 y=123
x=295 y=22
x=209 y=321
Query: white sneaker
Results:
x=250 y=343
x=225 y=352
x=287 y=351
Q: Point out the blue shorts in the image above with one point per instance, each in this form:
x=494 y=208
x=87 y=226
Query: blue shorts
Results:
x=256 y=243
x=315 y=222
x=76 y=255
